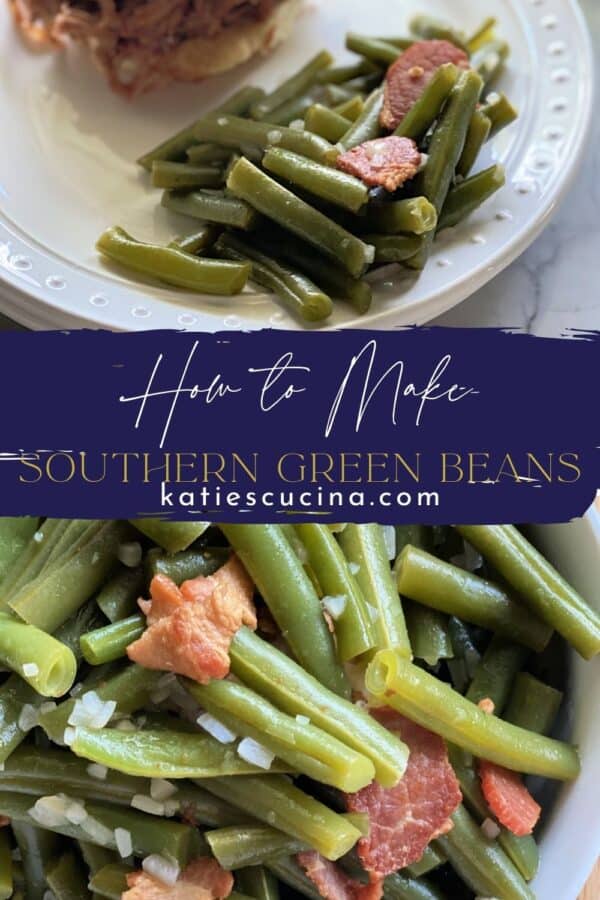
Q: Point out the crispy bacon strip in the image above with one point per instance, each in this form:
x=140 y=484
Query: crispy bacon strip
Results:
x=203 y=879
x=508 y=798
x=333 y=883
x=405 y=818
x=190 y=628
x=388 y=162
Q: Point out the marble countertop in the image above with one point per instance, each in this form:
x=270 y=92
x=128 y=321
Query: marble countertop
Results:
x=554 y=285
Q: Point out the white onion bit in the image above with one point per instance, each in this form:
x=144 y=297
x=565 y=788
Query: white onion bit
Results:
x=124 y=842
x=161 y=789
x=96 y=770
x=31 y=669
x=28 y=717
x=130 y=554
x=147 y=805
x=389 y=538
x=302 y=720
x=92 y=712
x=490 y=829
x=253 y=752
x=219 y=731
x=160 y=868
x=335 y=605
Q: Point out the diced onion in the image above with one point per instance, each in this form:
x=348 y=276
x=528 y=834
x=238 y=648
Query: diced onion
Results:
x=75 y=812
x=48 y=706
x=38 y=537
x=69 y=735
x=354 y=568
x=130 y=554
x=50 y=812
x=98 y=832
x=31 y=669
x=335 y=605
x=219 y=731
x=126 y=725
x=96 y=770
x=161 y=789
x=147 y=805
x=124 y=842
x=302 y=720
x=253 y=752
x=28 y=717
x=490 y=829
x=389 y=537
x=160 y=868
x=92 y=712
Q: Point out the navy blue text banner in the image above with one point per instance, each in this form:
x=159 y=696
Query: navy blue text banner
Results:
x=425 y=424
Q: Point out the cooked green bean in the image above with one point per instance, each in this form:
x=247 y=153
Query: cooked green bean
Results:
x=394 y=248
x=428 y=633
x=401 y=887
x=177 y=175
x=436 y=706
x=431 y=859
x=305 y=747
x=481 y=863
x=329 y=184
x=6 y=866
x=67 y=878
x=489 y=60
x=496 y=672
x=175 y=147
x=211 y=206
x=15 y=534
x=109 y=643
x=95 y=857
x=43 y=551
x=284 y=683
x=365 y=128
x=469 y=195
x=257 y=882
x=171 y=536
x=548 y=594
x=110 y=881
x=298 y=292
x=208 y=154
x=415 y=215
x=477 y=135
x=293 y=87
x=288 y=870
x=186 y=564
x=374 y=49
x=274 y=800
x=426 y=109
x=14 y=695
x=282 y=206
x=500 y=112
x=37 y=849
x=449 y=589
x=482 y=35
x=43 y=662
x=117 y=598
x=231 y=131
x=351 y=109
x=353 y=627
x=533 y=704
x=326 y=122
x=341 y=74
x=429 y=29
x=251 y=845
x=364 y=547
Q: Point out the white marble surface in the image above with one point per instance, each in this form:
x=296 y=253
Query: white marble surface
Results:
x=555 y=285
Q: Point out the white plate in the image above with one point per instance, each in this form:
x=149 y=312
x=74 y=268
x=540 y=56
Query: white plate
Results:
x=67 y=171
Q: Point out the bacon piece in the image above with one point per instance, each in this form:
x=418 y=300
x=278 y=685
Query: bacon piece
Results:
x=405 y=818
x=387 y=162
x=190 y=628
x=508 y=798
x=332 y=882
x=203 y=879
x=407 y=78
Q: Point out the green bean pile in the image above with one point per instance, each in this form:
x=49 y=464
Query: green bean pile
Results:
x=105 y=765
x=257 y=177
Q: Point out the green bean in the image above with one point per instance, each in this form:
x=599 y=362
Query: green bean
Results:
x=275 y=800
x=29 y=563
x=469 y=195
x=373 y=49
x=251 y=845
x=53 y=597
x=546 y=592
x=427 y=108
x=326 y=122
x=186 y=564
x=305 y=747
x=477 y=134
x=231 y=131
x=446 y=147
x=435 y=705
x=298 y=292
x=351 y=109
x=109 y=643
x=430 y=29
x=401 y=887
x=6 y=866
x=500 y=112
x=353 y=627
x=175 y=147
x=207 y=154
x=215 y=207
x=111 y=881
x=292 y=87
x=14 y=695
x=95 y=857
x=415 y=215
x=150 y=834
x=292 y=111
x=282 y=206
x=362 y=85
x=286 y=869
x=257 y=882
x=428 y=633
x=37 y=849
x=533 y=704
x=394 y=248
x=67 y=878
x=495 y=674
x=291 y=689
x=117 y=598
x=365 y=128
x=77 y=533
x=489 y=60
x=53 y=666
x=481 y=863
x=273 y=565
x=452 y=590
x=482 y=35
x=430 y=860
x=177 y=175
x=341 y=74
x=329 y=184
x=364 y=547
x=15 y=534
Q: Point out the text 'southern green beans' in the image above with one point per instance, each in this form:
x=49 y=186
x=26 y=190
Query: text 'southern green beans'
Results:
x=6 y=866
x=429 y=29
x=67 y=877
x=175 y=147
x=117 y=598
x=436 y=706
x=275 y=800
x=326 y=122
x=301 y=295
x=533 y=704
x=24 y=645
x=477 y=135
x=286 y=589
x=500 y=112
x=364 y=547
x=470 y=194
x=186 y=564
x=365 y=128
x=394 y=248
x=323 y=181
x=304 y=747
x=231 y=131
x=251 y=845
x=110 y=642
x=212 y=206
x=275 y=676
x=171 y=536
x=496 y=672
x=481 y=863
x=15 y=534
x=110 y=881
x=296 y=85
x=374 y=49
x=546 y=592
x=424 y=111
x=415 y=215
x=180 y=175
x=289 y=871
x=276 y=202
x=353 y=627
x=449 y=589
